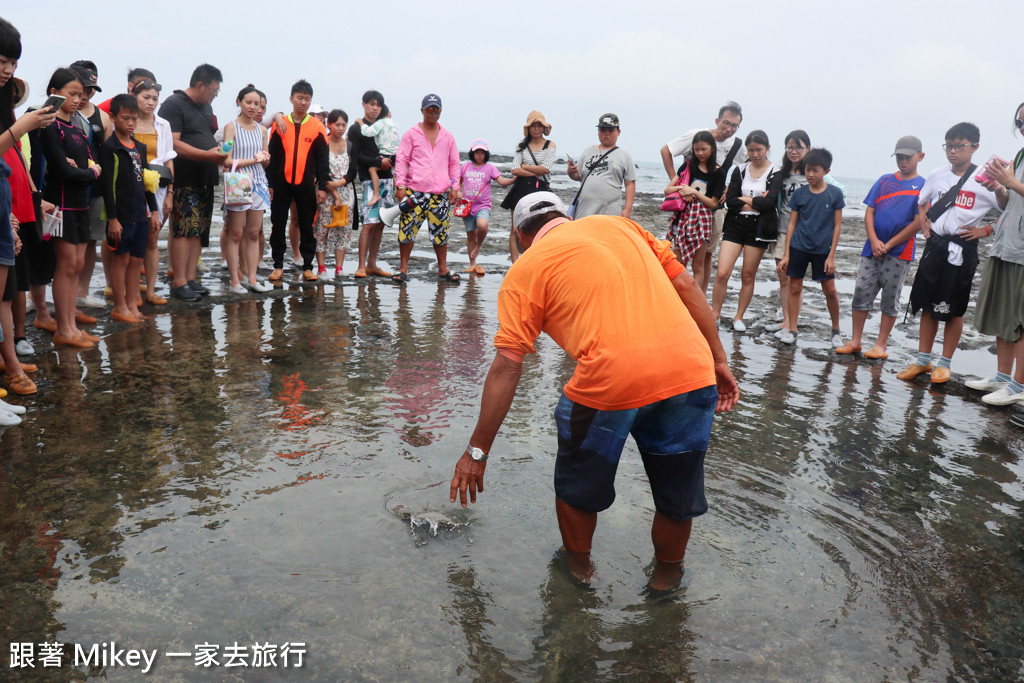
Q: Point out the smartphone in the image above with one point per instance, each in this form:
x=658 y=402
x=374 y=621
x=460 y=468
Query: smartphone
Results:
x=54 y=101
x=995 y=158
x=567 y=156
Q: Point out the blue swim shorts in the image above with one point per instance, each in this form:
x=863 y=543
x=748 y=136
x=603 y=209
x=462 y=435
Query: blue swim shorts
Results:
x=134 y=237
x=671 y=434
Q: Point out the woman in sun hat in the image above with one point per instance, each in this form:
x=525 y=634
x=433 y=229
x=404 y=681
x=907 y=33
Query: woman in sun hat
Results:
x=531 y=167
x=476 y=175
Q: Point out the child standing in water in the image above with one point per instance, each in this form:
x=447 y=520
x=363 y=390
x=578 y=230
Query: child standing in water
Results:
x=386 y=135
x=334 y=223
x=690 y=229
x=477 y=174
x=70 y=170
x=131 y=210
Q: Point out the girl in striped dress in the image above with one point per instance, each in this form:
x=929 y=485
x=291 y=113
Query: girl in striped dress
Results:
x=245 y=223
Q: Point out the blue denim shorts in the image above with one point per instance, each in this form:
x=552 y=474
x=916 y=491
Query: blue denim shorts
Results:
x=470 y=221
x=671 y=434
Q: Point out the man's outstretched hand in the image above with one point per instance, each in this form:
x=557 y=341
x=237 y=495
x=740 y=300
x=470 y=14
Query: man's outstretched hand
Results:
x=469 y=474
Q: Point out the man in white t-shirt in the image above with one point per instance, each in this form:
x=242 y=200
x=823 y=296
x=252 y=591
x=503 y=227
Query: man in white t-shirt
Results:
x=730 y=148
x=942 y=286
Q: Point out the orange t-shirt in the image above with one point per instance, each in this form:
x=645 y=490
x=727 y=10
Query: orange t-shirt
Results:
x=601 y=288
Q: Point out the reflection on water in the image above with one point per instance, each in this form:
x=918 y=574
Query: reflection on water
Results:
x=276 y=470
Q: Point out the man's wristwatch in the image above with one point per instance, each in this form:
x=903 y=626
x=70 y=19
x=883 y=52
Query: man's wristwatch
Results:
x=477 y=454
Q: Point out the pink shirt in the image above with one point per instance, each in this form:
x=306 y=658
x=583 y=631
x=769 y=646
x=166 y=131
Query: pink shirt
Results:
x=423 y=168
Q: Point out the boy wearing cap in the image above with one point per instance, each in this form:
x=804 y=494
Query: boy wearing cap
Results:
x=603 y=170
x=97 y=126
x=427 y=170
x=891 y=220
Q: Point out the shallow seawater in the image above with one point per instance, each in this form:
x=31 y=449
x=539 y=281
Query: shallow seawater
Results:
x=275 y=471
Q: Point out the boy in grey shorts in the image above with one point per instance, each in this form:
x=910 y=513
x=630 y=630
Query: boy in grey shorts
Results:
x=891 y=220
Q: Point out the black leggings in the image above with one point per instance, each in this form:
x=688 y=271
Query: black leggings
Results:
x=305 y=203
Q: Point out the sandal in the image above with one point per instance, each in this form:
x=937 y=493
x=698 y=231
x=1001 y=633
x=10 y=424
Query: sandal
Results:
x=359 y=273
x=449 y=276
x=400 y=278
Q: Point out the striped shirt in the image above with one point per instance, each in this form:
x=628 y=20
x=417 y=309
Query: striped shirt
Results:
x=545 y=158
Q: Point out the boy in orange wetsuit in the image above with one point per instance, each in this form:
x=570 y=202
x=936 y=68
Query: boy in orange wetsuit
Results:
x=299 y=170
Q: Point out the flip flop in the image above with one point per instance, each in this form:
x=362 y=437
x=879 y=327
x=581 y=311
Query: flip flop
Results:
x=400 y=278
x=449 y=276
x=359 y=273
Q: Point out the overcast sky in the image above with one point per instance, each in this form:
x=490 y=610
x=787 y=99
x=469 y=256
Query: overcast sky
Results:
x=855 y=76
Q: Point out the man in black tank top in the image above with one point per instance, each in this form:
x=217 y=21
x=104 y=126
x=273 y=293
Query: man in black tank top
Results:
x=98 y=128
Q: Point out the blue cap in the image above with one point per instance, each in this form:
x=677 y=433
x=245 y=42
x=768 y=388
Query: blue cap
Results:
x=431 y=101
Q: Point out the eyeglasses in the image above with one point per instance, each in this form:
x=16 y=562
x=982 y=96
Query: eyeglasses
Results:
x=730 y=124
x=1019 y=123
x=795 y=149
x=957 y=148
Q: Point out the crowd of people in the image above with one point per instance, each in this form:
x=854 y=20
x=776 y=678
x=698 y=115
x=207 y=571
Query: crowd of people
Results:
x=106 y=177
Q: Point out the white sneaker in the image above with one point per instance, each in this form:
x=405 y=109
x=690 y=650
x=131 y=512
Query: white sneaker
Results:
x=738 y=326
x=29 y=304
x=779 y=315
x=23 y=348
x=779 y=333
x=837 y=340
x=202 y=268
x=1003 y=397
x=239 y=289
x=8 y=419
x=17 y=410
x=324 y=277
x=91 y=302
x=987 y=384
x=261 y=287
x=772 y=327
x=263 y=265
x=787 y=337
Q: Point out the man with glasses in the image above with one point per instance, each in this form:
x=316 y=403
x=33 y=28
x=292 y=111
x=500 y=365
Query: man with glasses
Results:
x=954 y=204
x=196 y=169
x=730 y=151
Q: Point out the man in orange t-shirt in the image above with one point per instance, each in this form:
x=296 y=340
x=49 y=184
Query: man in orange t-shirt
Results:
x=649 y=363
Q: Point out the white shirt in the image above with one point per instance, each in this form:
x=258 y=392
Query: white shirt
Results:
x=972 y=203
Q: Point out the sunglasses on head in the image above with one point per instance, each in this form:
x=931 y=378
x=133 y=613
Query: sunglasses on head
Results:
x=146 y=85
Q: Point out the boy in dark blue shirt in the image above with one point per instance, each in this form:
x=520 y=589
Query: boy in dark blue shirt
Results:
x=811 y=239
x=130 y=209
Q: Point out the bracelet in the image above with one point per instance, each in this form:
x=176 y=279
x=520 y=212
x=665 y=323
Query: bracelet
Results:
x=988 y=230
x=9 y=130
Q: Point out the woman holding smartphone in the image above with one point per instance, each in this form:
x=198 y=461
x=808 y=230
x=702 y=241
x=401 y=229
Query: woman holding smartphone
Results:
x=11 y=130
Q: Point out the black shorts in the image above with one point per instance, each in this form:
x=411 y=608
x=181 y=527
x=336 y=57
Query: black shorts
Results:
x=742 y=229
x=77 y=227
x=11 y=288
